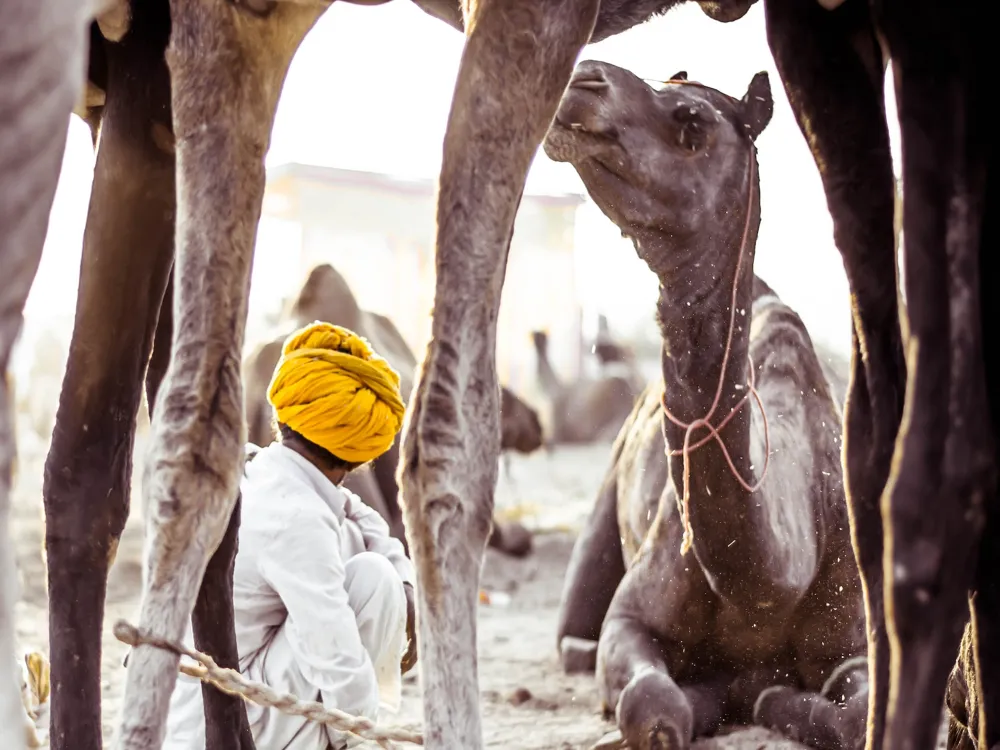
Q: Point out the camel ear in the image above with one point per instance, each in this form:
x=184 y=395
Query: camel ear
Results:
x=681 y=75
x=758 y=106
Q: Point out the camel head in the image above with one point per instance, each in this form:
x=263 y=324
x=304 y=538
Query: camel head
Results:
x=325 y=295
x=670 y=162
x=520 y=428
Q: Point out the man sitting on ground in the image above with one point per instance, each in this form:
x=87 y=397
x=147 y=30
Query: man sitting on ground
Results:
x=323 y=594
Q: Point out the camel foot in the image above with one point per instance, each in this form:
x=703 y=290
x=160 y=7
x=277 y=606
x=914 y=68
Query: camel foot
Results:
x=654 y=714
x=511 y=539
x=578 y=655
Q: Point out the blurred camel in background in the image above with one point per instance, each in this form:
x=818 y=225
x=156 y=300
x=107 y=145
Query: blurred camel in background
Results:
x=586 y=410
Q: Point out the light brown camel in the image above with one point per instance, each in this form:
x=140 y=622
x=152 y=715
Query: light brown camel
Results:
x=587 y=409
x=326 y=295
x=770 y=592
x=226 y=63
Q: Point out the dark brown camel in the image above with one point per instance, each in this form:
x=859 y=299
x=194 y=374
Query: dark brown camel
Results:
x=227 y=61
x=587 y=409
x=771 y=595
x=326 y=295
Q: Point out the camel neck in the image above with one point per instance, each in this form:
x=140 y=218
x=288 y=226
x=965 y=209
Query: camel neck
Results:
x=729 y=529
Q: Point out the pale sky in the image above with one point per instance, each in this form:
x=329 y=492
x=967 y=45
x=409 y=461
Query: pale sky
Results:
x=370 y=89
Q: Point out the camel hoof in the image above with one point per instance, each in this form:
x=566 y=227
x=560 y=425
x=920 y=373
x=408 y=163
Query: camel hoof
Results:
x=654 y=714
x=578 y=655
x=512 y=539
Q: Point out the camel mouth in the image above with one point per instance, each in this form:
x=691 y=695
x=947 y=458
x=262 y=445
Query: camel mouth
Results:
x=569 y=140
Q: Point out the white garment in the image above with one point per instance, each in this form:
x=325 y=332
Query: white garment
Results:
x=319 y=603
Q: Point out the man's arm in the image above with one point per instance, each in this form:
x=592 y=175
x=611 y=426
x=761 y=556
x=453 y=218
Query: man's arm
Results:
x=378 y=538
x=304 y=567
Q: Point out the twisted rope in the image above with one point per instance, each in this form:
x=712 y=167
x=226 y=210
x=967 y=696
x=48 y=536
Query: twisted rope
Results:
x=233 y=683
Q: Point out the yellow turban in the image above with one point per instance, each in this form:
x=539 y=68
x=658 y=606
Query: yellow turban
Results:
x=331 y=388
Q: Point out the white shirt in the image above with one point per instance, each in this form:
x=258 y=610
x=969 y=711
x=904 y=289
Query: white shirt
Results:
x=297 y=530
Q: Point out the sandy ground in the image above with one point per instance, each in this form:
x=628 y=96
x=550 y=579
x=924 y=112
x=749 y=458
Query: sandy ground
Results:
x=528 y=704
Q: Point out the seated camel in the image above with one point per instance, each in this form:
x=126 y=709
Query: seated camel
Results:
x=325 y=295
x=716 y=571
x=586 y=410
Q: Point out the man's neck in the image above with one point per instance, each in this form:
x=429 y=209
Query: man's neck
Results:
x=335 y=475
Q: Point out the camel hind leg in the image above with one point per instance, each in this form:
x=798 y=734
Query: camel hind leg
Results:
x=227 y=67
x=595 y=569
x=517 y=61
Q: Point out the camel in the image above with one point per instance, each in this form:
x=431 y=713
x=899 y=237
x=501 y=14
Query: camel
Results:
x=771 y=593
x=586 y=410
x=326 y=295
x=189 y=94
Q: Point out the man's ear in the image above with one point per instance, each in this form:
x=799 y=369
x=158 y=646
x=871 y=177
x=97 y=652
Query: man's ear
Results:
x=758 y=106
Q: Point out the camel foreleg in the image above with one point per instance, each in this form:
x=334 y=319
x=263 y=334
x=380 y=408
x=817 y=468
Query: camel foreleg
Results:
x=832 y=719
x=944 y=473
x=518 y=58
x=213 y=619
x=832 y=70
x=127 y=252
x=227 y=67
x=42 y=45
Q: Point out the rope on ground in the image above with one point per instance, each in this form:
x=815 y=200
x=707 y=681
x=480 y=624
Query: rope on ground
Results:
x=233 y=683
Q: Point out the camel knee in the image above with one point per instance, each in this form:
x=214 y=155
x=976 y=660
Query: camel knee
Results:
x=653 y=713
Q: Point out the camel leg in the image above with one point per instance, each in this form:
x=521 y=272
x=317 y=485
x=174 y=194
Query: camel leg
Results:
x=518 y=58
x=652 y=711
x=832 y=71
x=595 y=568
x=812 y=719
x=42 y=44
x=979 y=654
x=214 y=625
x=128 y=244
x=945 y=469
x=213 y=620
x=833 y=719
x=227 y=67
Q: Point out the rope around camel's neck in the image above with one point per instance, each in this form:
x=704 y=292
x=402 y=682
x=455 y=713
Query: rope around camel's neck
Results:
x=705 y=422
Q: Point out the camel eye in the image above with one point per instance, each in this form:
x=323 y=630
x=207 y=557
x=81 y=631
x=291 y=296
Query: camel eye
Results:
x=692 y=134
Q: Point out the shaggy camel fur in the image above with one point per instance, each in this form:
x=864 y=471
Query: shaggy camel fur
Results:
x=771 y=595
x=586 y=410
x=226 y=61
x=325 y=295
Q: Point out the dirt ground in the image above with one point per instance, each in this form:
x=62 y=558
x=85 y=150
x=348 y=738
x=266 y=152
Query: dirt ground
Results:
x=528 y=703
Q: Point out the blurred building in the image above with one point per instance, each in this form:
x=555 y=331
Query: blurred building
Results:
x=378 y=231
